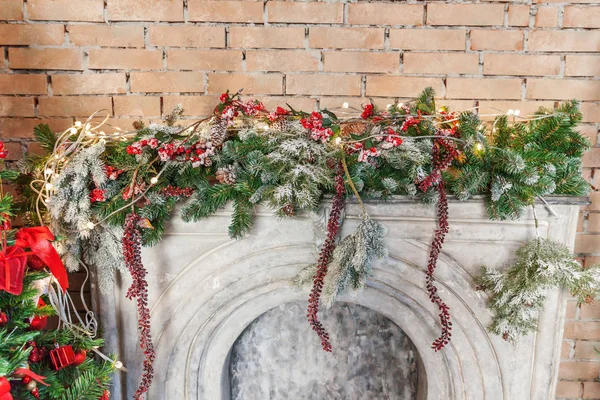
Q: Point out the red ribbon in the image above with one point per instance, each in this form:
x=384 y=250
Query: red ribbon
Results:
x=38 y=240
x=32 y=375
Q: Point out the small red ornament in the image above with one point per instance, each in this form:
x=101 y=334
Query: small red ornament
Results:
x=36 y=393
x=4 y=385
x=39 y=323
x=3 y=153
x=62 y=356
x=80 y=357
x=105 y=395
x=6 y=396
x=26 y=379
x=3 y=318
x=35 y=263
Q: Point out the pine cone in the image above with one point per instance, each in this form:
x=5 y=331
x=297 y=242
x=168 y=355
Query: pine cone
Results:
x=289 y=210
x=226 y=175
x=218 y=132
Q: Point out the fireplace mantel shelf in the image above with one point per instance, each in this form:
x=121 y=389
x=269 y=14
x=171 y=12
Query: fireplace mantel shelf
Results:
x=206 y=288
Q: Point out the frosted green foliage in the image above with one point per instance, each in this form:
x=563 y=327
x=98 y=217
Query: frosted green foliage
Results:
x=519 y=292
x=71 y=203
x=104 y=250
x=351 y=262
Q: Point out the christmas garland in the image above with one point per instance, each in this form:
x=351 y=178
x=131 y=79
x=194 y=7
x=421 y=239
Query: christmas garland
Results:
x=93 y=183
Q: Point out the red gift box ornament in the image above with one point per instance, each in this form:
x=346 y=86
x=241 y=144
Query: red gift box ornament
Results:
x=62 y=356
x=12 y=269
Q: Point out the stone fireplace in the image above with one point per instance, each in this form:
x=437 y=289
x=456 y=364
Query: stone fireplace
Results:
x=222 y=311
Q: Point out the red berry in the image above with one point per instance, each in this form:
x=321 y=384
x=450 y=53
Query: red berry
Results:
x=3 y=153
x=4 y=383
x=80 y=357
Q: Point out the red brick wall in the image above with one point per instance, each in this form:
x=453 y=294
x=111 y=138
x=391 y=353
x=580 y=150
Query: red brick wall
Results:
x=62 y=59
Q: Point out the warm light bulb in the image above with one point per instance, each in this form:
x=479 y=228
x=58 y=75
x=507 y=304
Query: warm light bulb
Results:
x=345 y=105
x=49 y=186
x=510 y=112
x=73 y=131
x=338 y=140
x=101 y=133
x=118 y=364
x=48 y=171
x=388 y=106
x=90 y=225
x=154 y=180
x=48 y=200
x=479 y=147
x=517 y=112
x=78 y=124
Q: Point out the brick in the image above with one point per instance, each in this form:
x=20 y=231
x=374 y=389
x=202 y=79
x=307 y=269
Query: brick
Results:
x=15 y=151
x=582 y=65
x=546 y=17
x=156 y=82
x=51 y=34
x=37 y=149
x=465 y=14
x=441 y=63
x=88 y=84
x=262 y=37
x=16 y=106
x=336 y=102
x=580 y=227
x=251 y=83
x=594 y=226
x=563 y=89
x=593 y=206
x=362 y=62
x=66 y=10
x=282 y=60
x=106 y=35
x=22 y=128
x=587 y=350
x=591 y=390
x=496 y=40
x=578 y=370
x=385 y=14
x=76 y=106
x=561 y=41
x=192 y=105
x=571 y=309
x=591 y=132
x=125 y=59
x=206 y=60
x=400 y=86
x=588 y=244
x=581 y=17
x=566 y=389
x=346 y=38
x=565 y=351
x=11 y=10
x=67 y=59
x=428 y=39
x=299 y=103
x=186 y=36
x=592 y=158
x=591 y=311
x=590 y=261
x=590 y=111
x=145 y=10
x=225 y=11
x=476 y=88
x=22 y=84
x=305 y=13
x=518 y=15
x=334 y=85
x=142 y=106
x=519 y=64
x=563 y=1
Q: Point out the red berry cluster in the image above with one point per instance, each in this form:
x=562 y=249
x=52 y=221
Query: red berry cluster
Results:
x=436 y=248
x=172 y=191
x=333 y=225
x=314 y=124
x=441 y=161
x=368 y=111
x=37 y=354
x=3 y=151
x=278 y=113
x=97 y=195
x=112 y=173
x=132 y=245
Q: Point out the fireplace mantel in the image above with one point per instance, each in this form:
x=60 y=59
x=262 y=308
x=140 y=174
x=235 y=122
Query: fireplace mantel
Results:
x=206 y=288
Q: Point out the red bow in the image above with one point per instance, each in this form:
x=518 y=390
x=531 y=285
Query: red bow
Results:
x=32 y=375
x=38 y=240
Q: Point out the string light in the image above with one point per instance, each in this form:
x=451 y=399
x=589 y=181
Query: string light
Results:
x=90 y=225
x=73 y=131
x=345 y=105
x=479 y=147
x=49 y=186
x=154 y=180
x=48 y=172
x=78 y=124
x=388 y=106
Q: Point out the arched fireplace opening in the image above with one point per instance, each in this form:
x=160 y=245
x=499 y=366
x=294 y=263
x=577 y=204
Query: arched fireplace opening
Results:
x=278 y=357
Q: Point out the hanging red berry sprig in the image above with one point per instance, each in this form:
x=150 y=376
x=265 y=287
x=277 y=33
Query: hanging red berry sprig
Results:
x=333 y=225
x=443 y=154
x=132 y=244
